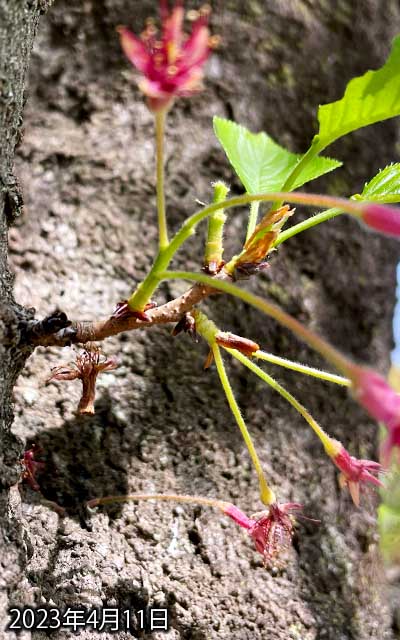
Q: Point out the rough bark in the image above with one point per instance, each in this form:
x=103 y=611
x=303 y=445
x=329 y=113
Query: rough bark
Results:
x=18 y=24
x=87 y=235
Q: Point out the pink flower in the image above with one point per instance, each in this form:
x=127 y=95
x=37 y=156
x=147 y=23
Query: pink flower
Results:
x=171 y=64
x=391 y=442
x=381 y=401
x=382 y=218
x=355 y=472
x=272 y=530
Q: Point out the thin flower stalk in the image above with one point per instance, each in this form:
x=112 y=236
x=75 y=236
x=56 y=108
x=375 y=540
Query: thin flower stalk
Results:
x=266 y=494
x=302 y=368
x=170 y=497
x=252 y=223
x=354 y=473
x=146 y=289
x=209 y=331
x=322 y=435
x=160 y=117
x=303 y=333
x=310 y=222
x=271 y=530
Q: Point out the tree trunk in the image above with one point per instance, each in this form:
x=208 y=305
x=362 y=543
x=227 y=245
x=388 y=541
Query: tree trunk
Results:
x=18 y=24
x=87 y=235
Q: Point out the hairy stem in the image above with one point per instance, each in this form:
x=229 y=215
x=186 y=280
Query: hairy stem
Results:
x=307 y=224
x=300 y=166
x=252 y=223
x=266 y=494
x=325 y=439
x=301 y=368
x=209 y=502
x=144 y=291
x=160 y=117
x=312 y=339
x=215 y=234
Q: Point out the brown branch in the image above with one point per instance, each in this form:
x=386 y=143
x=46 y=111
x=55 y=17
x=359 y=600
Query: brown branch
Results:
x=81 y=332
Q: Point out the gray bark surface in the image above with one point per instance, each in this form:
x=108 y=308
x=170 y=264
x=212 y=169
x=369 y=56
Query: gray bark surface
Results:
x=87 y=236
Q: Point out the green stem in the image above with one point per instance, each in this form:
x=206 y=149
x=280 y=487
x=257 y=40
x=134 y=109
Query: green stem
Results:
x=313 y=340
x=307 y=224
x=300 y=166
x=266 y=494
x=298 y=169
x=145 y=290
x=296 y=197
x=325 y=439
x=215 y=234
x=143 y=293
x=252 y=223
x=301 y=368
x=160 y=117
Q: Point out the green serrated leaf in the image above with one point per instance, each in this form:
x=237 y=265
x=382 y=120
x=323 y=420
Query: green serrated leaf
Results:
x=370 y=98
x=261 y=164
x=384 y=187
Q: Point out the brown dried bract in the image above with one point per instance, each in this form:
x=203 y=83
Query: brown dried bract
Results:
x=186 y=324
x=262 y=239
x=123 y=310
x=86 y=368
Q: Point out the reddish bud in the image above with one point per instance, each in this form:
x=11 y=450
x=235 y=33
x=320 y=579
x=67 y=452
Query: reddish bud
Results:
x=382 y=218
x=231 y=341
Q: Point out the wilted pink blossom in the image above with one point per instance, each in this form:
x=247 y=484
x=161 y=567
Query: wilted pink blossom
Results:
x=171 y=64
x=272 y=530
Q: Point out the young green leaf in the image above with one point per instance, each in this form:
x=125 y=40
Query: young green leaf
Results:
x=261 y=164
x=384 y=187
x=370 y=98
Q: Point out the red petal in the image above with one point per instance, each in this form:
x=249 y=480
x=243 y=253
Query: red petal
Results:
x=188 y=83
x=368 y=477
x=134 y=49
x=172 y=33
x=354 y=489
x=153 y=89
x=196 y=49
